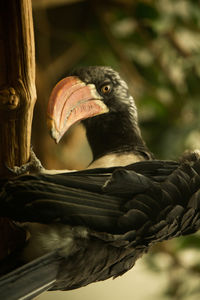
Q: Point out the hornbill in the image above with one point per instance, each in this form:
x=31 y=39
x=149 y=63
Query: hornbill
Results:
x=94 y=224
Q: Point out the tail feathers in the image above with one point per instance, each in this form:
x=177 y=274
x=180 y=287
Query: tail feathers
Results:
x=31 y=279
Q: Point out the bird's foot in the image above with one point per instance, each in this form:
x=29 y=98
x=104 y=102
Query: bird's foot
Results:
x=32 y=166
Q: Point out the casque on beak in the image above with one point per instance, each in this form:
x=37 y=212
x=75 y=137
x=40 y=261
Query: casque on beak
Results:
x=71 y=101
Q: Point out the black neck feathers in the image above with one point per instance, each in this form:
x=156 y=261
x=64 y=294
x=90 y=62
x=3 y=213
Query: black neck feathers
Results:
x=115 y=132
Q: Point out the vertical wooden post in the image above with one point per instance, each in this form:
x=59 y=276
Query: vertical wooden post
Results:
x=17 y=99
x=17 y=82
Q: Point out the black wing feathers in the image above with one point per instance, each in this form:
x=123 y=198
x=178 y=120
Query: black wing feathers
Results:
x=162 y=194
x=43 y=201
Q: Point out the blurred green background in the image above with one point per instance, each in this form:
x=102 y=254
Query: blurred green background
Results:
x=155 y=45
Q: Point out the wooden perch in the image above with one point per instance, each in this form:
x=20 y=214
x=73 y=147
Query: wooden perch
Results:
x=17 y=82
x=17 y=99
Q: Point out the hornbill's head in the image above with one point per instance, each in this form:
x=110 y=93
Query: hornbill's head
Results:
x=100 y=99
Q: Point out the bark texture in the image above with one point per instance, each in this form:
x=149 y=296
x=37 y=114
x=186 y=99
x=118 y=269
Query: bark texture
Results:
x=17 y=99
x=17 y=82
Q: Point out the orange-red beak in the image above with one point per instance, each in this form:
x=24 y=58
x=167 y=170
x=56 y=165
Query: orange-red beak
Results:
x=70 y=102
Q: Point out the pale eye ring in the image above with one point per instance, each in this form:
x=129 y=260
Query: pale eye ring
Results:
x=106 y=89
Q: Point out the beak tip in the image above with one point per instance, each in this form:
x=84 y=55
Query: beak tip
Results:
x=55 y=134
x=57 y=140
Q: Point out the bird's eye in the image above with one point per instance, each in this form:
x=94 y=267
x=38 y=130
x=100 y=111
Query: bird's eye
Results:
x=106 y=89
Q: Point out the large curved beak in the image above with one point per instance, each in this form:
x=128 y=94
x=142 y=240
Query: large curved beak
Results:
x=70 y=102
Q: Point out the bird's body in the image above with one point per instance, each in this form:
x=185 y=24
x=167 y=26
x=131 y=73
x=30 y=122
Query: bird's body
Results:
x=101 y=220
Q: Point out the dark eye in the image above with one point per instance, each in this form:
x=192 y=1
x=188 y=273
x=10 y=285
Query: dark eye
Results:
x=106 y=89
